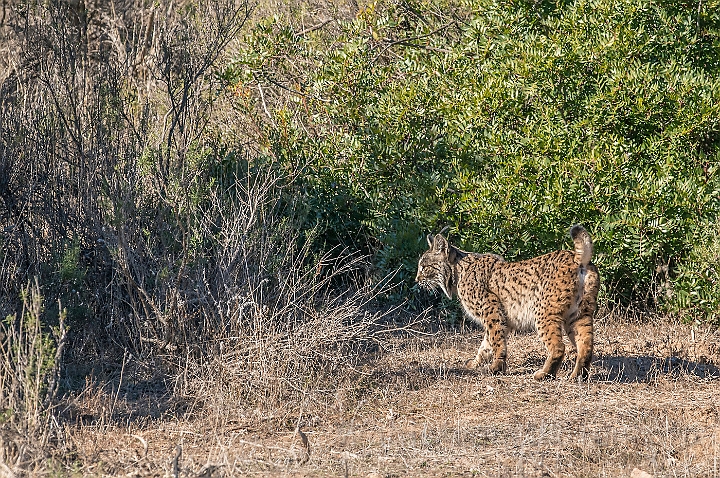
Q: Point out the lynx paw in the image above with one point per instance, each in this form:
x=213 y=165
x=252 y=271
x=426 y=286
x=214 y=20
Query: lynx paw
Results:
x=579 y=377
x=472 y=364
x=484 y=356
x=542 y=375
x=498 y=366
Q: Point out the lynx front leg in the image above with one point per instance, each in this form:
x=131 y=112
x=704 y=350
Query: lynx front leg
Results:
x=484 y=353
x=485 y=309
x=496 y=334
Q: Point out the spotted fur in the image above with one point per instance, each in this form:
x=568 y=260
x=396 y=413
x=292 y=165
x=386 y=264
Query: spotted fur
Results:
x=550 y=293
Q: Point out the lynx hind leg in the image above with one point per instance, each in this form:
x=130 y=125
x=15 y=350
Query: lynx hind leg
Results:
x=484 y=353
x=550 y=331
x=581 y=331
x=570 y=352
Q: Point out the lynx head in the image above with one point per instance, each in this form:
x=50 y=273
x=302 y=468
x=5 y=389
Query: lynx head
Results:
x=435 y=265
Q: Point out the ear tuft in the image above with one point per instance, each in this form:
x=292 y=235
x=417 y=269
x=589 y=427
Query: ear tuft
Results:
x=440 y=244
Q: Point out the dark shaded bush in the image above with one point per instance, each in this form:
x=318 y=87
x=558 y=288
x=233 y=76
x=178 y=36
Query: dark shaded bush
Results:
x=107 y=149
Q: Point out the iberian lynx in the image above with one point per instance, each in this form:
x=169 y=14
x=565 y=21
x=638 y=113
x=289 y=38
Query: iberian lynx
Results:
x=548 y=293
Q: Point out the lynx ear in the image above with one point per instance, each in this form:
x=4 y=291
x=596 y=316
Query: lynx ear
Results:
x=430 y=240
x=440 y=244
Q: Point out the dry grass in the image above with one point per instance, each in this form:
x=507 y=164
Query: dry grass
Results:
x=653 y=403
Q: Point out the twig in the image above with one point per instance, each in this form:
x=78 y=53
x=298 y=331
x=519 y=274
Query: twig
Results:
x=425 y=47
x=117 y=393
x=306 y=446
x=61 y=340
x=265 y=108
x=407 y=40
x=176 y=461
x=314 y=27
x=299 y=93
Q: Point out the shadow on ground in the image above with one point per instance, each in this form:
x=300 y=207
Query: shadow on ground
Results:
x=106 y=402
x=605 y=368
x=644 y=368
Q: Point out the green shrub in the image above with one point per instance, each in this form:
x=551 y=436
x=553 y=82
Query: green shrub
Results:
x=695 y=293
x=508 y=121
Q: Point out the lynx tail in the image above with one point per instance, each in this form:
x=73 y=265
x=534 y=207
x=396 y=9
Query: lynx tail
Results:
x=583 y=244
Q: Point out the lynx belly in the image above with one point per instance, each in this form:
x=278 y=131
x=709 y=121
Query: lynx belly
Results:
x=521 y=315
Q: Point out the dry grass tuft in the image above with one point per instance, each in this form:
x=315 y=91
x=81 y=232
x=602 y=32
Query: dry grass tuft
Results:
x=274 y=323
x=30 y=359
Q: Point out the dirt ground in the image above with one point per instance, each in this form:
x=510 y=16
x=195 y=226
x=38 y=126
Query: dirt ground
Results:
x=652 y=405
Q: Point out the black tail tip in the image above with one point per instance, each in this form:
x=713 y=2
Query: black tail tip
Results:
x=576 y=230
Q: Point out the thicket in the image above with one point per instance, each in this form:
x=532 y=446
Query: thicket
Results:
x=150 y=227
x=508 y=121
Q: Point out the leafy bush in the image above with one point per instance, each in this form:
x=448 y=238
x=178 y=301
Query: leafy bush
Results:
x=508 y=121
x=696 y=291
